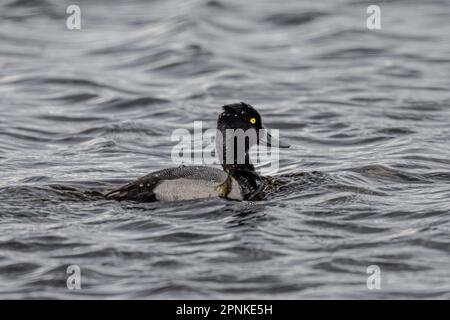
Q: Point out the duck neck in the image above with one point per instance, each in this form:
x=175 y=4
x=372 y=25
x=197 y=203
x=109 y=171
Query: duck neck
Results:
x=239 y=166
x=232 y=159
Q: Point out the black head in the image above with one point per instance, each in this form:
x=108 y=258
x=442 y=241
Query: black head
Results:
x=239 y=116
x=245 y=117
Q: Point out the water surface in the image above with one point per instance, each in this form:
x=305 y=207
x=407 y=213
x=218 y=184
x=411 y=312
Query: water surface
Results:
x=85 y=111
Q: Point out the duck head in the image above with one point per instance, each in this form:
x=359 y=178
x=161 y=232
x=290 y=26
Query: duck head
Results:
x=239 y=128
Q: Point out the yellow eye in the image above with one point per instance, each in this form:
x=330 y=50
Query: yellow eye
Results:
x=252 y=120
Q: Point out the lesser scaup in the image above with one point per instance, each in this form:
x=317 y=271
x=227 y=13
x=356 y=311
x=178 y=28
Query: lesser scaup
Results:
x=238 y=180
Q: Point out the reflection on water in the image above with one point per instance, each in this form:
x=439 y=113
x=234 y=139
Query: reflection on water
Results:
x=367 y=114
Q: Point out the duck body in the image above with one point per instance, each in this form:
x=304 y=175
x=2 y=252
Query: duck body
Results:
x=181 y=183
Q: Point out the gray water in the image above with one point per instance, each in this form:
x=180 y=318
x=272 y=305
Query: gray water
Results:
x=87 y=110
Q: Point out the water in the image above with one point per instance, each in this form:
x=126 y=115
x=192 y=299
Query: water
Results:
x=85 y=111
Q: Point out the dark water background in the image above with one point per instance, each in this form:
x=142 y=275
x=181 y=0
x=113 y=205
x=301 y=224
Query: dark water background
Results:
x=91 y=109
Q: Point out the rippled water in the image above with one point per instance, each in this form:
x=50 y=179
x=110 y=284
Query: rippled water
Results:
x=85 y=111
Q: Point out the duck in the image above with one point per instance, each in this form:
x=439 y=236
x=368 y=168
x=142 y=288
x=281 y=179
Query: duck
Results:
x=236 y=180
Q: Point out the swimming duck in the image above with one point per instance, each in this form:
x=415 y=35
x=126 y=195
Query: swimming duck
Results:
x=237 y=180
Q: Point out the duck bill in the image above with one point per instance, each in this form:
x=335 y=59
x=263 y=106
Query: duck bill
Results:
x=268 y=140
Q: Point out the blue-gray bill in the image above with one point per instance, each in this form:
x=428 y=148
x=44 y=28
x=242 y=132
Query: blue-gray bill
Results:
x=269 y=141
